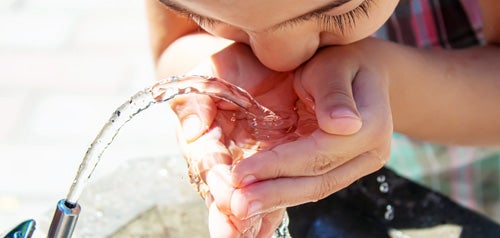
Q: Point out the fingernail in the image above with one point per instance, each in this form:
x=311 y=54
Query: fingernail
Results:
x=254 y=208
x=191 y=127
x=247 y=180
x=346 y=121
x=343 y=112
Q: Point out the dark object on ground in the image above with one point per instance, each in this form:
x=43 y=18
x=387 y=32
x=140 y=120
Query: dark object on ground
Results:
x=365 y=209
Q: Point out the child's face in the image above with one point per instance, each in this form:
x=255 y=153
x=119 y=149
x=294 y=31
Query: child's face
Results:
x=285 y=33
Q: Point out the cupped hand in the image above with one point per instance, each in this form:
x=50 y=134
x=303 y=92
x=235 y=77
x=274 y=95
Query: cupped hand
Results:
x=345 y=90
x=214 y=134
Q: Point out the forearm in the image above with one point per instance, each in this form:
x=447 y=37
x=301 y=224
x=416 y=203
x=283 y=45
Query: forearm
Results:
x=177 y=43
x=448 y=96
x=165 y=27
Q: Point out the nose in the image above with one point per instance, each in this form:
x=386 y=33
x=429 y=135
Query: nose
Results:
x=283 y=50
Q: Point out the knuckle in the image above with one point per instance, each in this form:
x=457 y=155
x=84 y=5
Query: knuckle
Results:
x=322 y=163
x=379 y=159
x=327 y=185
x=323 y=160
x=276 y=167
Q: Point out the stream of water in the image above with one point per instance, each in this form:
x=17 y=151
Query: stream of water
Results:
x=259 y=117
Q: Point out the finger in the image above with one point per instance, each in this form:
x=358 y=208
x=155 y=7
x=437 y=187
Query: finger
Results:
x=219 y=224
x=247 y=226
x=218 y=180
x=329 y=85
x=314 y=155
x=321 y=152
x=204 y=154
x=269 y=223
x=265 y=196
x=229 y=223
x=195 y=113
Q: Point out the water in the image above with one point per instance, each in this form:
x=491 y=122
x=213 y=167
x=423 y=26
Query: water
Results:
x=264 y=123
x=389 y=212
x=137 y=103
x=384 y=188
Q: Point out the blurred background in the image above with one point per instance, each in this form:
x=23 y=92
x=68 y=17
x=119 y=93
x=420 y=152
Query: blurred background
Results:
x=65 y=65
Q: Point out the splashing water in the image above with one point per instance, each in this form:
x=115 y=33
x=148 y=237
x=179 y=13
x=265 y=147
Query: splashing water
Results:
x=259 y=118
x=384 y=187
x=389 y=212
x=381 y=178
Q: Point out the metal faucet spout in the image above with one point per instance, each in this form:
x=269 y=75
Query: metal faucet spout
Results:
x=64 y=220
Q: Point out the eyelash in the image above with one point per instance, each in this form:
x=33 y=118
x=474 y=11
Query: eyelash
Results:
x=200 y=20
x=341 y=22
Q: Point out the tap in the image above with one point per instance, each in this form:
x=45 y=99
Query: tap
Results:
x=64 y=220
x=23 y=230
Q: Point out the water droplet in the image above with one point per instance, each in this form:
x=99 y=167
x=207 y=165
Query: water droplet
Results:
x=254 y=123
x=173 y=79
x=384 y=187
x=389 y=212
x=381 y=178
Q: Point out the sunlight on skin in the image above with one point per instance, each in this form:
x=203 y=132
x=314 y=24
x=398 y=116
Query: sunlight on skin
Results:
x=276 y=32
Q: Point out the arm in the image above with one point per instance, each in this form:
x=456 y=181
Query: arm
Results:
x=447 y=96
x=454 y=94
x=165 y=27
x=177 y=43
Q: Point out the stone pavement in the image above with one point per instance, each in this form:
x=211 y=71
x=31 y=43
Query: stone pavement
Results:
x=65 y=65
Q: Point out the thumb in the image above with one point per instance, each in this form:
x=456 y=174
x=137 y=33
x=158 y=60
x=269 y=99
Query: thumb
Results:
x=331 y=97
x=336 y=112
x=195 y=112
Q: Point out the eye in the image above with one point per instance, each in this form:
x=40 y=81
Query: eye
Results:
x=334 y=22
x=346 y=20
x=202 y=21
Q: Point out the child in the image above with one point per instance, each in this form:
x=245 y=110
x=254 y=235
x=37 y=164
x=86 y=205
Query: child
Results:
x=354 y=84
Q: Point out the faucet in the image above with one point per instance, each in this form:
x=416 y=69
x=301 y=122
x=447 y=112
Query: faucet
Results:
x=64 y=220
